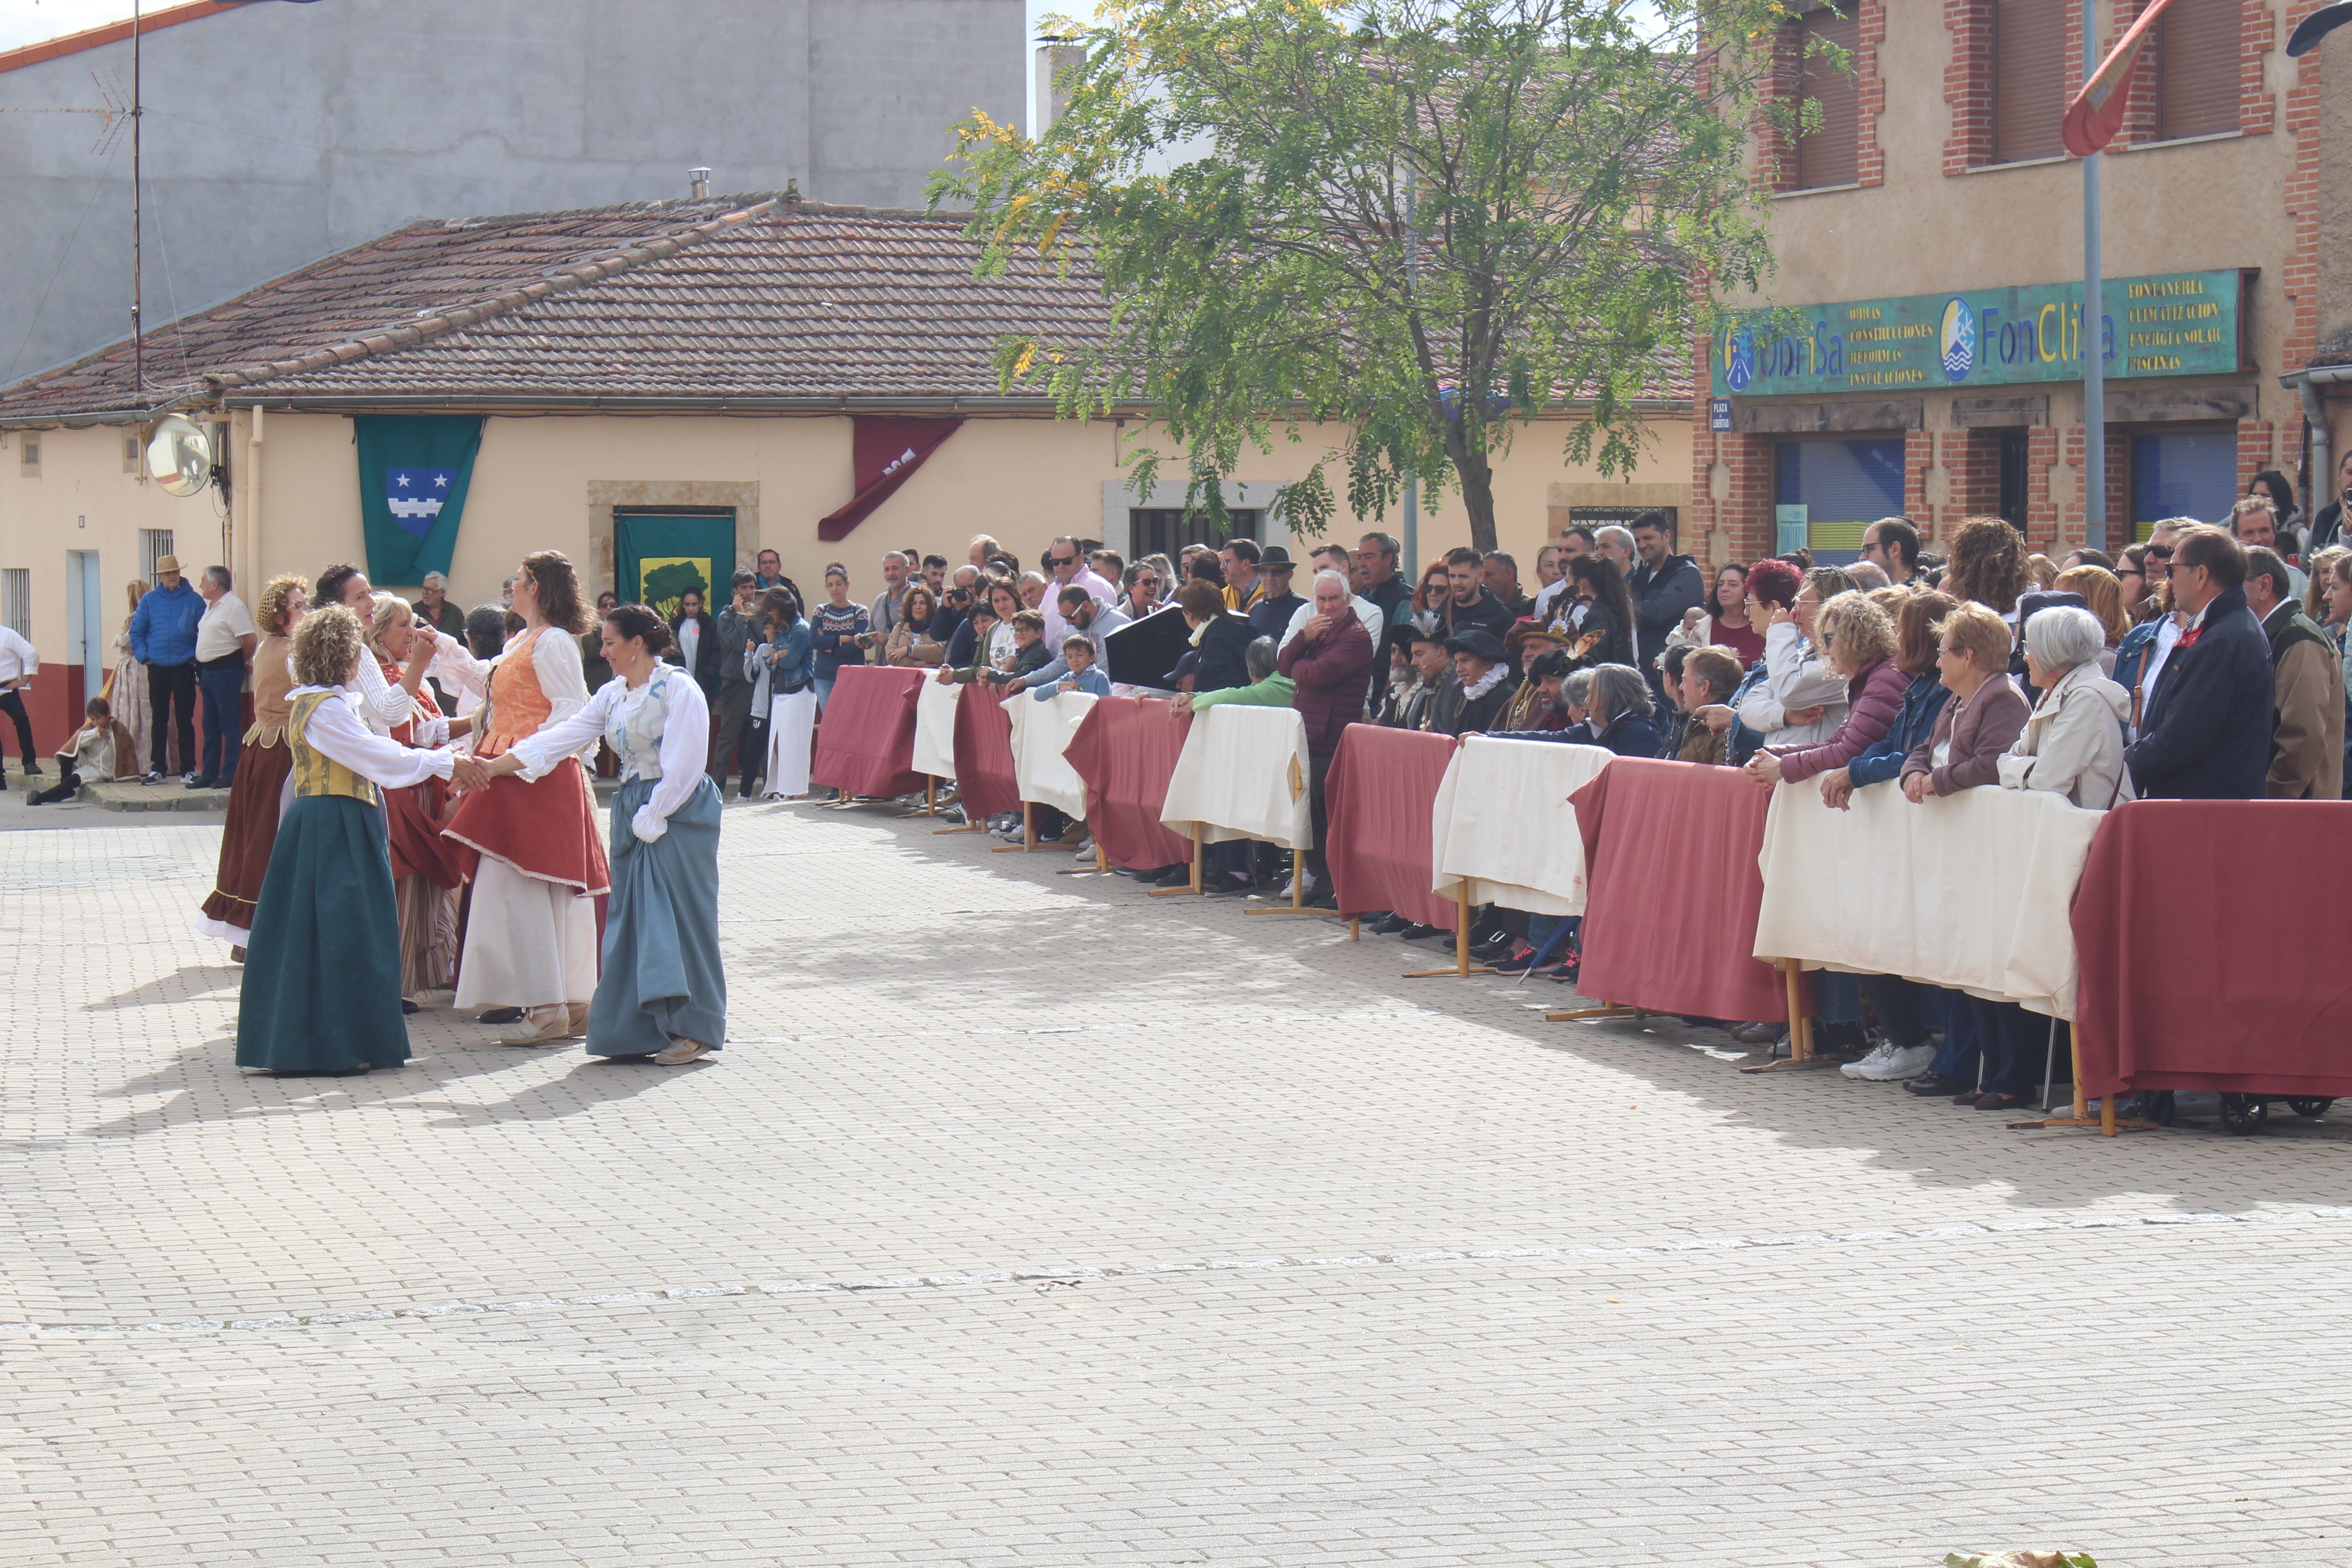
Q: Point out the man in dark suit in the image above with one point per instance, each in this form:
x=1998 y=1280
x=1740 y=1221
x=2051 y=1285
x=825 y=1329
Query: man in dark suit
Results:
x=694 y=643
x=2207 y=735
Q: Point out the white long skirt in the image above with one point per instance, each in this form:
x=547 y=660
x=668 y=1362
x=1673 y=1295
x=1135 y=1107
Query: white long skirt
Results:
x=528 y=944
x=791 y=727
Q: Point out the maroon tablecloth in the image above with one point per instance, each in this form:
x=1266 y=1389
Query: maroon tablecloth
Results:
x=1670 y=918
x=1125 y=748
x=865 y=743
x=984 y=753
x=2211 y=938
x=1382 y=786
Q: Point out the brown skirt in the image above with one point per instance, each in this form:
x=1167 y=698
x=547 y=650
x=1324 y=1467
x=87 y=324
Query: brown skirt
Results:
x=246 y=838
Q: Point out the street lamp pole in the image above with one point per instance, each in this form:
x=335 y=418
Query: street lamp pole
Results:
x=2094 y=309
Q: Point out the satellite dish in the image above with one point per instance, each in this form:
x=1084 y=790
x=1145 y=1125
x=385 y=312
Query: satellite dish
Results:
x=179 y=456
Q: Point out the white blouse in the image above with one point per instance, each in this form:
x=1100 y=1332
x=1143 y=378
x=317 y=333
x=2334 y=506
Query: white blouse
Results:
x=382 y=704
x=336 y=729
x=619 y=713
x=554 y=658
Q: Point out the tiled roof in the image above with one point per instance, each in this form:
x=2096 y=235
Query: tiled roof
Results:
x=695 y=301
x=730 y=302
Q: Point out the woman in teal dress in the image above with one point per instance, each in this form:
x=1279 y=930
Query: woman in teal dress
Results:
x=662 y=996
x=321 y=990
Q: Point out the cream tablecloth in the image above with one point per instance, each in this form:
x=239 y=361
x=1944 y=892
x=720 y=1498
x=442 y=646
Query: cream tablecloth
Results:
x=1502 y=820
x=1041 y=733
x=1242 y=774
x=1969 y=890
x=935 y=712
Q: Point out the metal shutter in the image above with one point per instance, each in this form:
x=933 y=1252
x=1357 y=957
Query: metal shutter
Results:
x=1832 y=154
x=2183 y=473
x=2028 y=78
x=2197 y=69
x=1845 y=486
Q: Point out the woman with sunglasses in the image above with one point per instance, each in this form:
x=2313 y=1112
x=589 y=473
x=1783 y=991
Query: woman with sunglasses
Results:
x=1142 y=586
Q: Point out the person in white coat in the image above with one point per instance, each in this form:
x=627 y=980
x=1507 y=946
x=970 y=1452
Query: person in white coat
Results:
x=2072 y=744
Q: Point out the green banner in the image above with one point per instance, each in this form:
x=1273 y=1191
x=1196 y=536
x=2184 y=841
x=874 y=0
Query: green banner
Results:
x=2171 y=323
x=413 y=474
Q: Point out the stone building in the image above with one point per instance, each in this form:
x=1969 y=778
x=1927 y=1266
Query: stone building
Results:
x=278 y=134
x=741 y=373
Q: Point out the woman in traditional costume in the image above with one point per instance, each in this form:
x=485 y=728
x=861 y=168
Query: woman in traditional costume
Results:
x=126 y=692
x=385 y=701
x=252 y=826
x=663 y=995
x=538 y=865
x=426 y=869
x=322 y=987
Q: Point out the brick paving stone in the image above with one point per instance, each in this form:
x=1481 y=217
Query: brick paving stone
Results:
x=1027 y=1221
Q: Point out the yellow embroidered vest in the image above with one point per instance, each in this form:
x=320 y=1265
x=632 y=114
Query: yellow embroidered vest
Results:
x=315 y=773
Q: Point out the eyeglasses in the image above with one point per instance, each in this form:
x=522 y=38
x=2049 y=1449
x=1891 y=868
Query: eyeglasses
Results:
x=1063 y=560
x=1147 y=582
x=2158 y=552
x=1947 y=651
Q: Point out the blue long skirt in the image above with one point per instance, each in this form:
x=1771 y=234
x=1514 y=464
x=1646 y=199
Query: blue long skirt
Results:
x=662 y=978
x=322 y=988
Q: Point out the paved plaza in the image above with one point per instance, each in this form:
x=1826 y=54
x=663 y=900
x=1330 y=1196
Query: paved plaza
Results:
x=1027 y=1220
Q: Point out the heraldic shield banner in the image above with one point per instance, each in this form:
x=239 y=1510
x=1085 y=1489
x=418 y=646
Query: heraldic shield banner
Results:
x=413 y=474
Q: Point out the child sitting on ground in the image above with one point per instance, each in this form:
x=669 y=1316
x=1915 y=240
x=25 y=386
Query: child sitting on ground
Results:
x=91 y=754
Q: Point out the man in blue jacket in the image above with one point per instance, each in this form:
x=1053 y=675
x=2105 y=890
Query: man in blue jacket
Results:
x=2207 y=731
x=163 y=638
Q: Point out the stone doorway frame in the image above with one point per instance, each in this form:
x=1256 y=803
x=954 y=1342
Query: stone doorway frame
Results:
x=605 y=496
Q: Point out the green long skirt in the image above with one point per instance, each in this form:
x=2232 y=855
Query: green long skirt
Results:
x=322 y=966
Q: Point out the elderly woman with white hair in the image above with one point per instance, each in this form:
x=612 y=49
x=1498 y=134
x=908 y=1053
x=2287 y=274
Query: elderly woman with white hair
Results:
x=2072 y=743
x=1617 y=714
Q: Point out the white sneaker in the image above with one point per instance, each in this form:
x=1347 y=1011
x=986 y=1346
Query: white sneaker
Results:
x=1865 y=1067
x=1085 y=851
x=1909 y=1062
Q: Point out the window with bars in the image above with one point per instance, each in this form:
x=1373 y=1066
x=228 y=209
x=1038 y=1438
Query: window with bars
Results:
x=1830 y=154
x=154 y=543
x=16 y=600
x=2197 y=69
x=2028 y=78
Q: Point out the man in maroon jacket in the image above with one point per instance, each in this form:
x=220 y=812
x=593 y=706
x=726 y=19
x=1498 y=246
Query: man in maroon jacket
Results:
x=1331 y=662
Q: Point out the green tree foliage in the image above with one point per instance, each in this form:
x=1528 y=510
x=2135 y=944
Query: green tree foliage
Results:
x=1374 y=204
x=665 y=585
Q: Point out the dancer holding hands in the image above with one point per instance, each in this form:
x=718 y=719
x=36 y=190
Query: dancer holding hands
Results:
x=663 y=995
x=530 y=924
x=321 y=990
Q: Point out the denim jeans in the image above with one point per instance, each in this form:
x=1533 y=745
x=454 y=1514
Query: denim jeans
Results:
x=2009 y=1042
x=223 y=684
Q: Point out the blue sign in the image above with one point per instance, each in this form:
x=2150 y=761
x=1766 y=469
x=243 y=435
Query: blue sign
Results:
x=1718 y=414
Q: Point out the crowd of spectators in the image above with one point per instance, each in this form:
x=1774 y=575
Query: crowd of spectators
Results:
x=2203 y=664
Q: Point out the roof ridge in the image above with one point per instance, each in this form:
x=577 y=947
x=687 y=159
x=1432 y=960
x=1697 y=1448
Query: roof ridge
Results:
x=434 y=324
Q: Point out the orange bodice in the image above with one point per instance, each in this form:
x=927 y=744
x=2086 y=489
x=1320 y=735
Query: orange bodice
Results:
x=518 y=707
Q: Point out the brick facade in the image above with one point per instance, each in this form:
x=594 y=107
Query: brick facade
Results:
x=1869 y=159
x=1776 y=161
